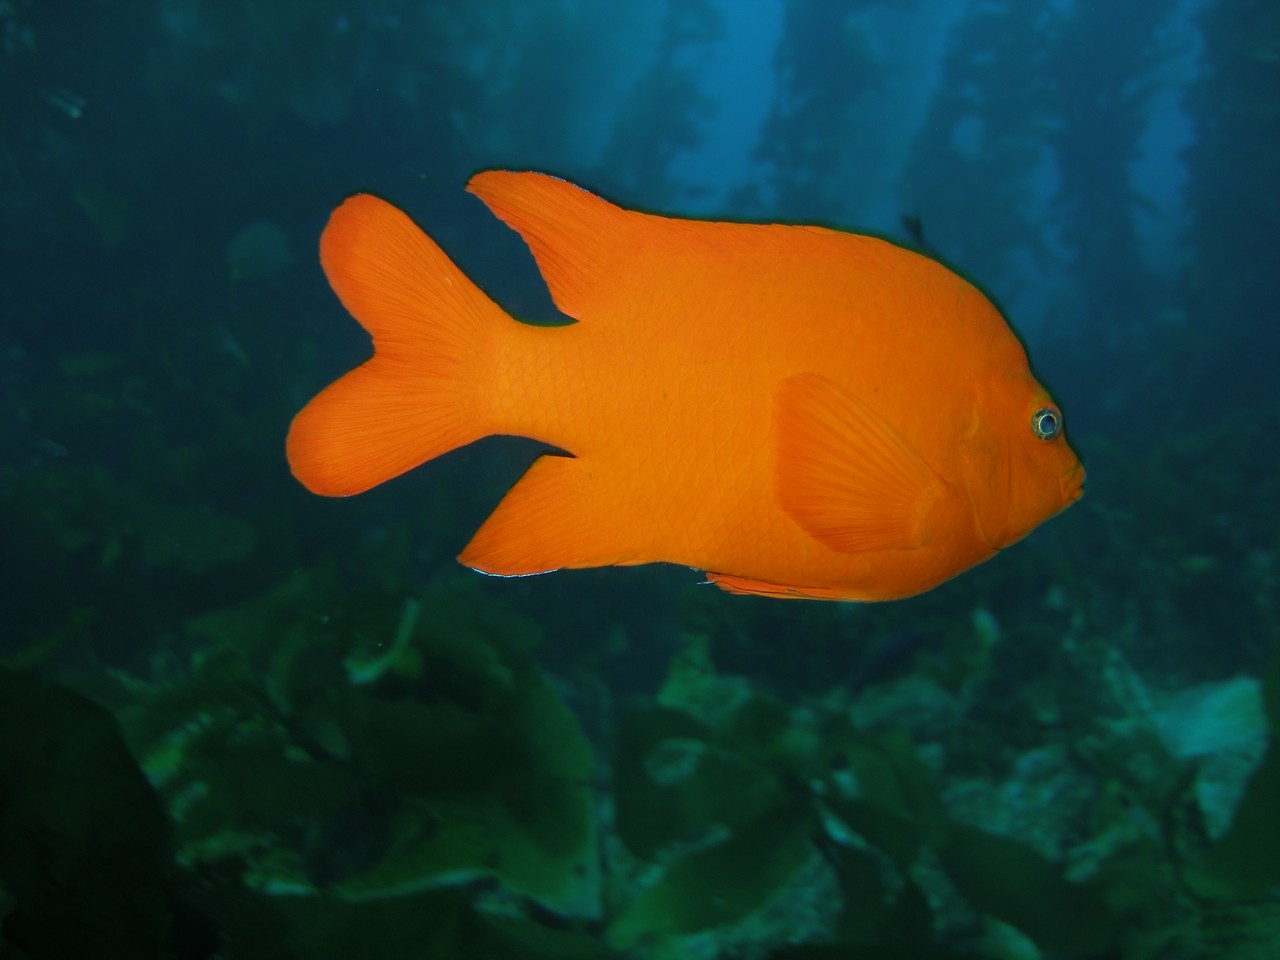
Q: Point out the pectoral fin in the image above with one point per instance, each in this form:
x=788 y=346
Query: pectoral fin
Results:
x=845 y=474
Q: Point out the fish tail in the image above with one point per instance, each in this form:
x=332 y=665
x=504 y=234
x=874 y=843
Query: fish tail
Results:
x=424 y=391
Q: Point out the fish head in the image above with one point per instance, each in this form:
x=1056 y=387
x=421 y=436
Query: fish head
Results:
x=1016 y=464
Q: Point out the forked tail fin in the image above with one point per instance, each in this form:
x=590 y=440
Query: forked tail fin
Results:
x=423 y=391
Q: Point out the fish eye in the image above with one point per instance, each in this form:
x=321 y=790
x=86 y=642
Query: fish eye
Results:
x=1046 y=423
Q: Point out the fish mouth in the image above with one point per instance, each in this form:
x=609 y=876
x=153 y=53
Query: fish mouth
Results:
x=1071 y=483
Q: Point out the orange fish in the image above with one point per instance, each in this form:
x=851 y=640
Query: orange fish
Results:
x=800 y=412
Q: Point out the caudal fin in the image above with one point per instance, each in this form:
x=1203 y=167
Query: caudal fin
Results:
x=422 y=392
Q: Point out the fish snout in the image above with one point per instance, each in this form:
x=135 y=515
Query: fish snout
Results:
x=1071 y=483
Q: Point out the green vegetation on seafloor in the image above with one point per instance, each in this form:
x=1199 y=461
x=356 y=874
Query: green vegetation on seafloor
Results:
x=461 y=756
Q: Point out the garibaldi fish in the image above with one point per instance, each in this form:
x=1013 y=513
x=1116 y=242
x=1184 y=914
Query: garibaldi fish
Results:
x=798 y=411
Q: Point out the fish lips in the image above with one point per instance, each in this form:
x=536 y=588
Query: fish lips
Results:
x=1071 y=484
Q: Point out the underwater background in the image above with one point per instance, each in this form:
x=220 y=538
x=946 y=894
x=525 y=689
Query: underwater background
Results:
x=242 y=721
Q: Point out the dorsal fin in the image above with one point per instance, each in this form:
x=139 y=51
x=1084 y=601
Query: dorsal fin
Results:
x=576 y=237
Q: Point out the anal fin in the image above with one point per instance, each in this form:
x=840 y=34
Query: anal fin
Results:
x=560 y=514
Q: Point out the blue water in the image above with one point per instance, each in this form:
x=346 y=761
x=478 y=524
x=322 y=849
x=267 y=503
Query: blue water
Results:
x=1107 y=174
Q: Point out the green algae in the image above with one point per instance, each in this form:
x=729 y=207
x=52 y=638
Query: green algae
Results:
x=1010 y=881
x=84 y=839
x=438 y=924
x=479 y=767
x=654 y=812
x=1245 y=862
x=721 y=883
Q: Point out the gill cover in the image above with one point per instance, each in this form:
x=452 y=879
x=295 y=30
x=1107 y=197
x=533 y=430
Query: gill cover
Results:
x=987 y=472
